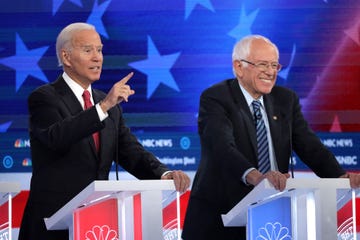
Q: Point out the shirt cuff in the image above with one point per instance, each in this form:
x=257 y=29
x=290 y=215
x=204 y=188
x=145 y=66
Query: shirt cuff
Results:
x=165 y=173
x=245 y=174
x=101 y=114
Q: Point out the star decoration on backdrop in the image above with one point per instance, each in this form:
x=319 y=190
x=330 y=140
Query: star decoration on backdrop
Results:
x=5 y=126
x=58 y=3
x=191 y=4
x=305 y=101
x=244 y=27
x=336 y=126
x=353 y=32
x=25 y=63
x=285 y=71
x=96 y=15
x=157 y=68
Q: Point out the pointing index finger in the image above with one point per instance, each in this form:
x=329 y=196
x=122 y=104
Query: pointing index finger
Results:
x=126 y=78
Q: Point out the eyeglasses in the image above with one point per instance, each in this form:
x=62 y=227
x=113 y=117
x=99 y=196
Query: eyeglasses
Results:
x=263 y=66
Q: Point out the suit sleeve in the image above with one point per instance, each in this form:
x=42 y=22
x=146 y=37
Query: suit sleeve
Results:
x=309 y=147
x=224 y=139
x=133 y=157
x=53 y=124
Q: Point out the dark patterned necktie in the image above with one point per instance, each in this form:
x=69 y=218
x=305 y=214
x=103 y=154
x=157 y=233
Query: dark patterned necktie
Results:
x=88 y=104
x=262 y=141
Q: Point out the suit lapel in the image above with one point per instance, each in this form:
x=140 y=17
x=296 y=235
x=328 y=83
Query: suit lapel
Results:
x=275 y=122
x=96 y=98
x=67 y=96
x=245 y=112
x=72 y=103
x=105 y=133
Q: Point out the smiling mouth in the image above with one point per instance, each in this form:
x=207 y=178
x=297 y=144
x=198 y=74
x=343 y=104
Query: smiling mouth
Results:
x=266 y=80
x=95 y=68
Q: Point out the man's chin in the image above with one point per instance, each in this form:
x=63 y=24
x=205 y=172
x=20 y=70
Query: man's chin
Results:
x=94 y=79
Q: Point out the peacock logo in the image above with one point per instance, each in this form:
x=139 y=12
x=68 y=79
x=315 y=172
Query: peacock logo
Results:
x=101 y=233
x=273 y=231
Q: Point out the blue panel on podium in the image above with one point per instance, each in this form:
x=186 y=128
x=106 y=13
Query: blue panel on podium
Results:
x=270 y=220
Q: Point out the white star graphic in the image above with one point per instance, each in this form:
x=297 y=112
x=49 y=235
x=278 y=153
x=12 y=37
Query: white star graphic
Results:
x=157 y=68
x=96 y=15
x=25 y=62
x=191 y=4
x=244 y=27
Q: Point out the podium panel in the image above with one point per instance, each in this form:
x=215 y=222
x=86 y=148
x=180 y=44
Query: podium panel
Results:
x=306 y=209
x=97 y=221
x=348 y=215
x=126 y=210
x=276 y=225
x=8 y=190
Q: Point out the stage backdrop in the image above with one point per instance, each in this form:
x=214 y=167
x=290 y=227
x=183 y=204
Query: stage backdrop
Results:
x=177 y=49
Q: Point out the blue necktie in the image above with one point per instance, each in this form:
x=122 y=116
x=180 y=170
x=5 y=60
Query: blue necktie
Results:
x=262 y=142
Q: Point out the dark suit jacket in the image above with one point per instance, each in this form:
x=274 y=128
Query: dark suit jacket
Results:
x=63 y=152
x=228 y=148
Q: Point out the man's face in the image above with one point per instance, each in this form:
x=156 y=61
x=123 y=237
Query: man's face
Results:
x=260 y=79
x=83 y=63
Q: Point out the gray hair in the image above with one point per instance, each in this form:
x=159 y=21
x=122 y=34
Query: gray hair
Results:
x=65 y=36
x=241 y=49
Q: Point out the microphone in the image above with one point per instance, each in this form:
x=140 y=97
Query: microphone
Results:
x=291 y=152
x=116 y=147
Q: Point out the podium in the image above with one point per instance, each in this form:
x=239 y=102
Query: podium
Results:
x=311 y=209
x=8 y=190
x=136 y=207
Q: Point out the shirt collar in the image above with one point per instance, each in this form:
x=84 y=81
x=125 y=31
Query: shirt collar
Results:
x=76 y=88
x=249 y=99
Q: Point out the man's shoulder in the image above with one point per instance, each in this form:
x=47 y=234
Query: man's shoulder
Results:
x=282 y=91
x=283 y=96
x=219 y=86
x=49 y=88
x=99 y=92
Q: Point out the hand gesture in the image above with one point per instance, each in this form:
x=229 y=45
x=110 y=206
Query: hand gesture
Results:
x=118 y=93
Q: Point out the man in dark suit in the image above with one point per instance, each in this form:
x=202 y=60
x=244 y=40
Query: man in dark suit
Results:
x=74 y=140
x=229 y=167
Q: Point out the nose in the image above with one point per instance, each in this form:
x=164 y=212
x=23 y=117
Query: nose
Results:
x=269 y=70
x=97 y=56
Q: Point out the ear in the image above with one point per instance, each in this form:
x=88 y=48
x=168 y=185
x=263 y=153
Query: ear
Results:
x=238 y=67
x=65 y=55
x=236 y=63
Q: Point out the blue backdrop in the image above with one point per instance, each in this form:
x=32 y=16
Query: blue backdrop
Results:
x=177 y=49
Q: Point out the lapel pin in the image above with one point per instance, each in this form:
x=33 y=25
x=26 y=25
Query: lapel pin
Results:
x=275 y=118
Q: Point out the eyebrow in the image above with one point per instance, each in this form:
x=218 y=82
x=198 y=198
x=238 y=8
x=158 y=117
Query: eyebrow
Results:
x=90 y=46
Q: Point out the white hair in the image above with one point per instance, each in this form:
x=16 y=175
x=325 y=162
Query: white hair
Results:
x=65 y=36
x=242 y=48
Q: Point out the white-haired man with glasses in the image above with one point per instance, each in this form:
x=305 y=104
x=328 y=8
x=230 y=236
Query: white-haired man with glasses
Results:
x=248 y=128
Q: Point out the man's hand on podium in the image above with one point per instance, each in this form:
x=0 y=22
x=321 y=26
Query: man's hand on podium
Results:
x=181 y=180
x=277 y=179
x=354 y=179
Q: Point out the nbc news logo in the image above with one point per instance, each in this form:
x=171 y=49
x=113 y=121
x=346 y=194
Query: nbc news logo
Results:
x=21 y=143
